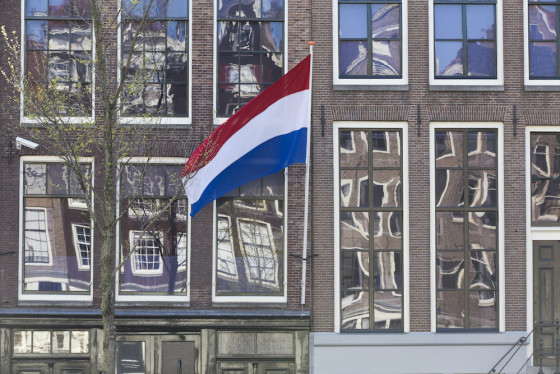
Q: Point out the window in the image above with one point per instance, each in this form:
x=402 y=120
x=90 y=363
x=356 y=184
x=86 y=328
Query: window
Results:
x=250 y=255
x=48 y=342
x=371 y=218
x=545 y=173
x=157 y=81
x=467 y=230
x=153 y=234
x=370 y=39
x=543 y=40
x=57 y=57
x=466 y=42
x=250 y=50
x=56 y=235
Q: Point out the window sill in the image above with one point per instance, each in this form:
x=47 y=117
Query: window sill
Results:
x=246 y=304
x=154 y=303
x=543 y=87
x=370 y=87
x=51 y=302
x=464 y=87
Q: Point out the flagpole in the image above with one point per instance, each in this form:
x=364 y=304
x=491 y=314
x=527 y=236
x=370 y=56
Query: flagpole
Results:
x=307 y=164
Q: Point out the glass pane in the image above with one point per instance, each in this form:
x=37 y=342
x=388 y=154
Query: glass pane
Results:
x=273 y=185
x=481 y=58
x=448 y=20
x=543 y=59
x=450 y=270
x=354 y=230
x=386 y=57
x=41 y=342
x=250 y=68
x=483 y=230
x=273 y=36
x=387 y=310
x=353 y=58
x=387 y=230
x=61 y=342
x=249 y=36
x=251 y=189
x=228 y=68
x=450 y=232
x=177 y=35
x=387 y=270
x=131 y=358
x=133 y=8
x=59 y=67
x=542 y=22
x=35 y=179
x=177 y=100
x=482 y=188
x=154 y=100
x=272 y=67
x=59 y=35
x=22 y=341
x=353 y=21
x=354 y=188
x=386 y=20
x=483 y=270
x=80 y=67
x=228 y=99
x=59 y=7
x=228 y=8
x=355 y=310
x=176 y=68
x=250 y=8
x=449 y=58
x=483 y=310
x=37 y=66
x=450 y=188
x=449 y=149
x=355 y=270
x=37 y=34
x=545 y=155
x=353 y=149
x=81 y=36
x=480 y=22
x=386 y=147
x=37 y=8
x=178 y=8
x=228 y=36
x=450 y=309
x=544 y=198
x=387 y=188
x=80 y=342
x=482 y=149
x=273 y=8
x=155 y=36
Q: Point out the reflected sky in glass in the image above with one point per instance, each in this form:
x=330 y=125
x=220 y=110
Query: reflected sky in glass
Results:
x=448 y=22
x=353 y=21
x=449 y=59
x=480 y=21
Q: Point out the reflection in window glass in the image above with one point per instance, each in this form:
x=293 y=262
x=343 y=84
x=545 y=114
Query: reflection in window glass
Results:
x=131 y=358
x=46 y=342
x=56 y=256
x=371 y=262
x=543 y=39
x=41 y=341
x=545 y=171
x=22 y=341
x=250 y=258
x=466 y=229
x=80 y=342
x=61 y=342
x=370 y=39
x=465 y=39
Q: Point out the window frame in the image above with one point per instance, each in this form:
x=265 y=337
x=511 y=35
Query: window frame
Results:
x=157 y=121
x=468 y=83
x=249 y=299
x=371 y=126
x=37 y=121
x=500 y=248
x=77 y=243
x=146 y=298
x=371 y=83
x=51 y=297
x=218 y=120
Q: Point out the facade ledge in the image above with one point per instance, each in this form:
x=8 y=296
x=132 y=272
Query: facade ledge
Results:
x=461 y=87
x=369 y=87
x=542 y=87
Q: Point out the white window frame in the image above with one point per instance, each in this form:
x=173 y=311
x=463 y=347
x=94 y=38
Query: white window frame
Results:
x=71 y=120
x=50 y=297
x=466 y=83
x=247 y=298
x=48 y=241
x=371 y=83
x=499 y=126
x=371 y=125
x=77 y=244
x=143 y=298
x=220 y=120
x=157 y=120
x=133 y=237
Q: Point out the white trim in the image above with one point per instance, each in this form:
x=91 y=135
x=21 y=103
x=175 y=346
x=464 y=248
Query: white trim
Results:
x=466 y=82
x=49 y=297
x=145 y=298
x=403 y=81
x=216 y=121
x=157 y=120
x=501 y=218
x=403 y=126
x=251 y=299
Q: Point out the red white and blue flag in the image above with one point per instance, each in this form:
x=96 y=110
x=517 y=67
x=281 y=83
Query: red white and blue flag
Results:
x=267 y=134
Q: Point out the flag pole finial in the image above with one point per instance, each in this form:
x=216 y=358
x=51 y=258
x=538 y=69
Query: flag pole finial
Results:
x=311 y=42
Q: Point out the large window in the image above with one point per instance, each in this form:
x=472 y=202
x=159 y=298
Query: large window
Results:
x=370 y=39
x=543 y=39
x=157 y=80
x=545 y=183
x=57 y=58
x=250 y=50
x=250 y=236
x=153 y=234
x=466 y=228
x=56 y=253
x=371 y=229
x=465 y=39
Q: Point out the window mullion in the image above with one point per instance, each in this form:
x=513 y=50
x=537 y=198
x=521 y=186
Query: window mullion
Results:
x=369 y=46
x=465 y=40
x=466 y=210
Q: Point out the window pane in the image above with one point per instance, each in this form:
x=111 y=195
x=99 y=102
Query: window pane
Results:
x=449 y=59
x=61 y=342
x=483 y=309
x=480 y=22
x=272 y=67
x=482 y=149
x=542 y=22
x=37 y=34
x=388 y=270
x=250 y=8
x=448 y=20
x=176 y=67
x=41 y=342
x=131 y=358
x=388 y=310
x=481 y=58
x=59 y=35
x=37 y=8
x=22 y=341
x=354 y=188
x=59 y=8
x=387 y=230
x=178 y=8
x=37 y=66
x=353 y=149
x=250 y=68
x=177 y=100
x=483 y=270
x=353 y=58
x=177 y=35
x=449 y=149
x=387 y=188
x=544 y=196
x=482 y=188
x=450 y=232
x=355 y=270
x=353 y=21
x=354 y=230
x=450 y=309
x=450 y=188
x=386 y=57
x=228 y=99
x=273 y=8
x=386 y=20
x=543 y=59
x=273 y=36
x=249 y=36
x=450 y=270
x=483 y=230
x=386 y=147
x=80 y=342
x=355 y=310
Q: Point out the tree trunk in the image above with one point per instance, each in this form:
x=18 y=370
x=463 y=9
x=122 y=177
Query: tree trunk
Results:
x=108 y=302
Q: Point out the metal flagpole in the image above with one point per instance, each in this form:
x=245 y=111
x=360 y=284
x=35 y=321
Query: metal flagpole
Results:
x=307 y=164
